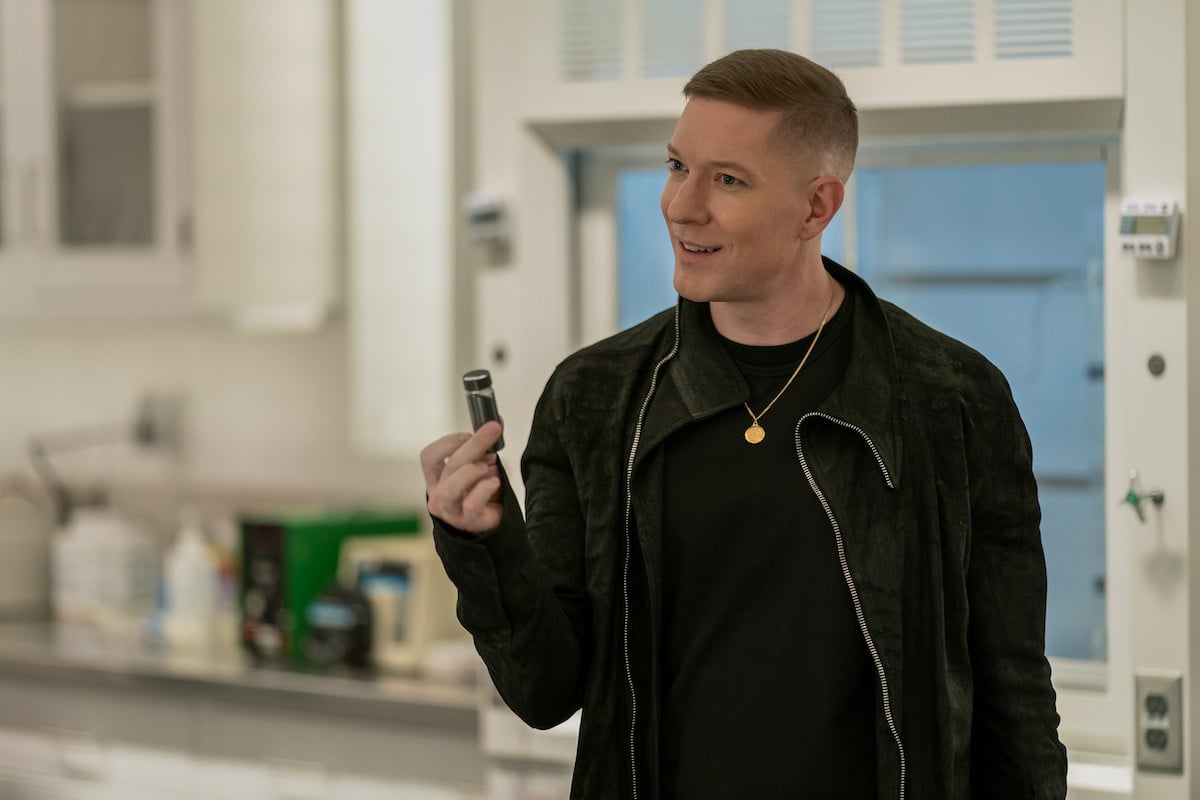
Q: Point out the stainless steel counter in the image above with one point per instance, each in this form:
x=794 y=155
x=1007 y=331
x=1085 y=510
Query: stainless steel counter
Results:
x=83 y=656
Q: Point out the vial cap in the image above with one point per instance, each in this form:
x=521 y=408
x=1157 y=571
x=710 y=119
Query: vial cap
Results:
x=477 y=379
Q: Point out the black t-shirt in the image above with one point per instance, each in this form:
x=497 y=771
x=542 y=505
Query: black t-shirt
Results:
x=768 y=690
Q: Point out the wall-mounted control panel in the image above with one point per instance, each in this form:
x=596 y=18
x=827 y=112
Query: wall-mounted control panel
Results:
x=1159 y=718
x=1149 y=228
x=487 y=217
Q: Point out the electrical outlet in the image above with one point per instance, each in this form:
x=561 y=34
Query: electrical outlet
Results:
x=1159 y=716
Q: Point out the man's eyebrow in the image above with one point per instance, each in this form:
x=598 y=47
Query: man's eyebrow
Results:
x=729 y=165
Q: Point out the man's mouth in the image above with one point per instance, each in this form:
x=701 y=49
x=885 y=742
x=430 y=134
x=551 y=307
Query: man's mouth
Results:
x=695 y=248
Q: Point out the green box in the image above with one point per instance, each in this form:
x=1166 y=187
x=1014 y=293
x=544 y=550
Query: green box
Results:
x=288 y=559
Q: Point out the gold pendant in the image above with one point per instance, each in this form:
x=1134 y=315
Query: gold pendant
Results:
x=755 y=434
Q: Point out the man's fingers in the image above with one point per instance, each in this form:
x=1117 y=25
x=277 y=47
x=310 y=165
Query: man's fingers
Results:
x=480 y=508
x=476 y=446
x=456 y=484
x=465 y=498
x=462 y=478
x=435 y=454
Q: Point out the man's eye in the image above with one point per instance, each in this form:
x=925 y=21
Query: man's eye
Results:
x=674 y=164
x=728 y=180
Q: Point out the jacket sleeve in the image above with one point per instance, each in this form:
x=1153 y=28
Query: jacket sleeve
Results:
x=1015 y=750
x=521 y=589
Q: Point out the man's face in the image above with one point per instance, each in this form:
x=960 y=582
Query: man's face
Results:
x=735 y=204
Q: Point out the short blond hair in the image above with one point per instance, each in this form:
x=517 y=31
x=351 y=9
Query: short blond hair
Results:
x=818 y=115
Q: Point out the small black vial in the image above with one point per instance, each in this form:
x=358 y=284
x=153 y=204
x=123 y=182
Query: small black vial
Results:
x=481 y=401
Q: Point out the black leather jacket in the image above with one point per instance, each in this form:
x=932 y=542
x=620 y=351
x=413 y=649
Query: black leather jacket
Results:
x=923 y=466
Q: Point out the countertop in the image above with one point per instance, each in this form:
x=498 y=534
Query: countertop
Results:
x=84 y=656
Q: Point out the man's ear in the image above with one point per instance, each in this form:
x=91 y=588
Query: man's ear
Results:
x=824 y=199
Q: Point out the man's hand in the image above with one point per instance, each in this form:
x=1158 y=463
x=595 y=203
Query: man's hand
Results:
x=463 y=480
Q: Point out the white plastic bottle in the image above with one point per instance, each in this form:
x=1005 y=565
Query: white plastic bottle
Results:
x=191 y=582
x=129 y=569
x=76 y=551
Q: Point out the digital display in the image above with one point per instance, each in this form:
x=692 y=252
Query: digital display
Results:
x=1147 y=225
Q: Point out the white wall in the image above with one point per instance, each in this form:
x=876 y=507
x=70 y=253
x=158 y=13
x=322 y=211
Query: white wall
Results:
x=523 y=301
x=263 y=411
x=1162 y=412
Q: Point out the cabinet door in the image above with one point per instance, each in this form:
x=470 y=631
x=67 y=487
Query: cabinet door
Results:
x=264 y=754
x=94 y=166
x=268 y=179
x=33 y=766
x=31 y=787
x=24 y=109
x=113 y=148
x=104 y=115
x=77 y=736
x=411 y=319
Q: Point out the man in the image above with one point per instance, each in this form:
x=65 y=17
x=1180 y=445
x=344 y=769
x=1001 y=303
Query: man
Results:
x=782 y=540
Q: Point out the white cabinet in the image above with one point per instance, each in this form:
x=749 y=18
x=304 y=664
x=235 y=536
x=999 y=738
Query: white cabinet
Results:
x=268 y=176
x=78 y=743
x=94 y=183
x=163 y=156
x=65 y=741
x=523 y=763
x=406 y=151
x=270 y=754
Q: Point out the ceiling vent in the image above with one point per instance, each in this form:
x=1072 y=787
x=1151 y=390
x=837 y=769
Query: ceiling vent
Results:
x=846 y=33
x=591 y=40
x=1033 y=29
x=938 y=31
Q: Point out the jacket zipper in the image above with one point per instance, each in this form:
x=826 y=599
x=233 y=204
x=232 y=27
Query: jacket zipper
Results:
x=637 y=436
x=841 y=550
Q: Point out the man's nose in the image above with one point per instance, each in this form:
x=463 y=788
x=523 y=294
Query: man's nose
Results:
x=686 y=202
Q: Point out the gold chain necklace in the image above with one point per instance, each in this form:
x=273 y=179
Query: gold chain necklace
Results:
x=755 y=434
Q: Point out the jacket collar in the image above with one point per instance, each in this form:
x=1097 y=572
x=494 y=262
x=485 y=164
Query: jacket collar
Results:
x=702 y=378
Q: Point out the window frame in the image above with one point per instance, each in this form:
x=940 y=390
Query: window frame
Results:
x=1095 y=699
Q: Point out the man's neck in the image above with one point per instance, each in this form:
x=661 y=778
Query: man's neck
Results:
x=780 y=319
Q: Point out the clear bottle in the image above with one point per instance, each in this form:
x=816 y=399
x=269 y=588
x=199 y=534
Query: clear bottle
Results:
x=191 y=585
x=77 y=556
x=129 y=573
x=105 y=569
x=481 y=401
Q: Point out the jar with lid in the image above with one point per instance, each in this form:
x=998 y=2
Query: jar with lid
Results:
x=481 y=402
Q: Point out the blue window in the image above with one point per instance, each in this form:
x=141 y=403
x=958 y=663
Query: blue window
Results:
x=645 y=260
x=1007 y=258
